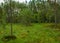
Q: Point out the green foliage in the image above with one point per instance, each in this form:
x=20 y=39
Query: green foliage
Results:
x=34 y=12
x=26 y=16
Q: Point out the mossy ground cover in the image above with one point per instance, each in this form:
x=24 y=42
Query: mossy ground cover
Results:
x=37 y=33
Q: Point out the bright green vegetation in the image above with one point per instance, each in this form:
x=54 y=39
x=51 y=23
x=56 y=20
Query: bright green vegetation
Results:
x=37 y=33
x=31 y=22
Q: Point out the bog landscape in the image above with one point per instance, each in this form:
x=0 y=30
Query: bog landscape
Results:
x=33 y=21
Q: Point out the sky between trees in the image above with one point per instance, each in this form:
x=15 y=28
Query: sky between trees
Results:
x=17 y=0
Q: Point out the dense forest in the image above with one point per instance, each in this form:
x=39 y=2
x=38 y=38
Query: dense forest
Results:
x=36 y=11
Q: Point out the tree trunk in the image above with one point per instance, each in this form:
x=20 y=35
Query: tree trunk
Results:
x=55 y=7
x=11 y=18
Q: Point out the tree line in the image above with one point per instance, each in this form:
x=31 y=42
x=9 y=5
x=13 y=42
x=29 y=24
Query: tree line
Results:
x=34 y=11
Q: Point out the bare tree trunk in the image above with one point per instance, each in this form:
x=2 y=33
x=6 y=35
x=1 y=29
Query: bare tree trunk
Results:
x=55 y=7
x=11 y=18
